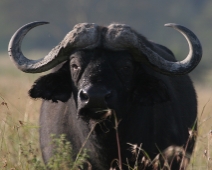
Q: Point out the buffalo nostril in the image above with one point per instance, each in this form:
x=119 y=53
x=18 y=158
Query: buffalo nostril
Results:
x=83 y=95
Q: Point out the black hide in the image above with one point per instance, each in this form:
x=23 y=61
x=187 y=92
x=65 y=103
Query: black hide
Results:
x=153 y=109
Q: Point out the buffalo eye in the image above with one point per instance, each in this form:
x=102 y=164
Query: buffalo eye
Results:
x=75 y=67
x=75 y=70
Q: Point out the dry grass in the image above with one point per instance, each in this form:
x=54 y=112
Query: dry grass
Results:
x=18 y=115
x=202 y=157
x=19 y=119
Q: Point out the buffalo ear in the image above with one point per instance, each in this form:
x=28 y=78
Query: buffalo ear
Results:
x=54 y=86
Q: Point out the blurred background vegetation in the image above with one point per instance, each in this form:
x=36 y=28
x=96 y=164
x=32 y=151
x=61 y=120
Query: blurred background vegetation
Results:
x=147 y=17
x=19 y=114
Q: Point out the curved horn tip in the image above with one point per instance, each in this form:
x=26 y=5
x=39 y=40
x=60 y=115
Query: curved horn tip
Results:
x=170 y=25
x=39 y=22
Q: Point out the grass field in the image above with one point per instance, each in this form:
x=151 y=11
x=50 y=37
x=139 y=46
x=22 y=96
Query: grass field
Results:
x=19 y=116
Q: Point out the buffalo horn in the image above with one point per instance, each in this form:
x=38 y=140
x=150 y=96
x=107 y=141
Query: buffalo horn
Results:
x=83 y=36
x=120 y=37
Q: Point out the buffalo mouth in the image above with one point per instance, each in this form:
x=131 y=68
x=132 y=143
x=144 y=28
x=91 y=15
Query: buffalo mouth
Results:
x=95 y=113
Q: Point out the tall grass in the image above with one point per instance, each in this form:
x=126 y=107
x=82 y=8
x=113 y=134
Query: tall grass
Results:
x=202 y=155
x=19 y=114
x=18 y=117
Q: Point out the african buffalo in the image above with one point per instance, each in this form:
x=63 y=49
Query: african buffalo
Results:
x=100 y=73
